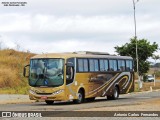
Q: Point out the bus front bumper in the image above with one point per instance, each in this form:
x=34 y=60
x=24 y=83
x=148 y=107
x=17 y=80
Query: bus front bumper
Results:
x=55 y=96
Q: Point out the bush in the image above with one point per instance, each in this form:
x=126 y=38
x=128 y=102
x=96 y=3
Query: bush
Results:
x=8 y=78
x=145 y=78
x=158 y=74
x=11 y=70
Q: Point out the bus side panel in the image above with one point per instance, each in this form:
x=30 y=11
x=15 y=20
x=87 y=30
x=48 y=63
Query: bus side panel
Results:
x=127 y=85
x=100 y=84
x=131 y=88
x=94 y=84
x=124 y=81
x=79 y=82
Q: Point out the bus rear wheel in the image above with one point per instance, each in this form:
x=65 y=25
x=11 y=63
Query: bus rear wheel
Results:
x=49 y=102
x=80 y=98
x=115 y=95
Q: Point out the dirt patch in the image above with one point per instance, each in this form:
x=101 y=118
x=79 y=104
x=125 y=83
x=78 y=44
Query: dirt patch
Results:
x=14 y=99
x=147 y=86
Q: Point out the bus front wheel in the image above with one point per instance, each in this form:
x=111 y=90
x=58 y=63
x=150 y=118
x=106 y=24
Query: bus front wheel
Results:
x=80 y=98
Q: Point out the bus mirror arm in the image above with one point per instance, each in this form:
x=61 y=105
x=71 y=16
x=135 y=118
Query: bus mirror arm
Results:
x=24 y=70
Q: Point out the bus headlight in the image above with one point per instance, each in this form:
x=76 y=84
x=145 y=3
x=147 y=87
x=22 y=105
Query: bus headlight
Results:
x=57 y=92
x=31 y=91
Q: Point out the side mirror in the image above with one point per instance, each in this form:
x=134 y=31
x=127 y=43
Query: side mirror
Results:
x=26 y=71
x=70 y=72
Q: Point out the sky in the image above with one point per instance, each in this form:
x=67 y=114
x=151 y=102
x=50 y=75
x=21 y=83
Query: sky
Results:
x=48 y=26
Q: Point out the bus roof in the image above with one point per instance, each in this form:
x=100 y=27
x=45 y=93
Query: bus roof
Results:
x=77 y=55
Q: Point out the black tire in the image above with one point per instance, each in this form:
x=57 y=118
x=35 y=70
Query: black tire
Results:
x=80 y=98
x=49 y=102
x=90 y=99
x=109 y=97
x=115 y=95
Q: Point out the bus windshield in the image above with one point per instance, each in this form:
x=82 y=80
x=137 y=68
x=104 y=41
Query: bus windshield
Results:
x=46 y=72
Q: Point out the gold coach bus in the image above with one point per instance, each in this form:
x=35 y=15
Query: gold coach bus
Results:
x=79 y=76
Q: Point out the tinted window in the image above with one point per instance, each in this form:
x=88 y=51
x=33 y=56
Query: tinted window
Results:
x=93 y=65
x=129 y=65
x=71 y=61
x=121 y=65
x=96 y=65
x=85 y=65
x=103 y=65
x=82 y=65
x=113 y=65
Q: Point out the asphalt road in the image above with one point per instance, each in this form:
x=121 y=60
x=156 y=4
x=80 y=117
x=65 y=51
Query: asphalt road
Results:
x=124 y=100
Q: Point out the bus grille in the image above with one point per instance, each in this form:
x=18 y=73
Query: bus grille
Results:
x=44 y=93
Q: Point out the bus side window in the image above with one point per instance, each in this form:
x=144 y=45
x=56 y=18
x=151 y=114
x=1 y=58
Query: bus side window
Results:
x=82 y=65
x=113 y=65
x=93 y=65
x=121 y=65
x=129 y=65
x=101 y=62
x=103 y=65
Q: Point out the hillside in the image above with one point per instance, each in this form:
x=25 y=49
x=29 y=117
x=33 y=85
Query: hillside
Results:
x=11 y=71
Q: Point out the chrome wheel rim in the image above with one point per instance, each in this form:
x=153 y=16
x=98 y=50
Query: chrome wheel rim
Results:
x=80 y=97
x=115 y=94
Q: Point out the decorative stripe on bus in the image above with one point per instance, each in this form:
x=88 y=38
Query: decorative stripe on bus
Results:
x=104 y=84
x=122 y=74
x=130 y=85
x=101 y=87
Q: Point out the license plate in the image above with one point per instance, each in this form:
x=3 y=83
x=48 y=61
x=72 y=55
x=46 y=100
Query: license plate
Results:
x=43 y=97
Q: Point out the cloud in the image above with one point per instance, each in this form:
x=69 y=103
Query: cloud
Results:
x=6 y=42
x=14 y=22
x=75 y=24
x=93 y=24
x=69 y=25
x=72 y=24
x=71 y=7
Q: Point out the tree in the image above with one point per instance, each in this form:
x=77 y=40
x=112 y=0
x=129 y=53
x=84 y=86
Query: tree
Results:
x=145 y=50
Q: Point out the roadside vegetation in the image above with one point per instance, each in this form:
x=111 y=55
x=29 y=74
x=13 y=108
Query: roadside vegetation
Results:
x=145 y=50
x=11 y=71
x=147 y=86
